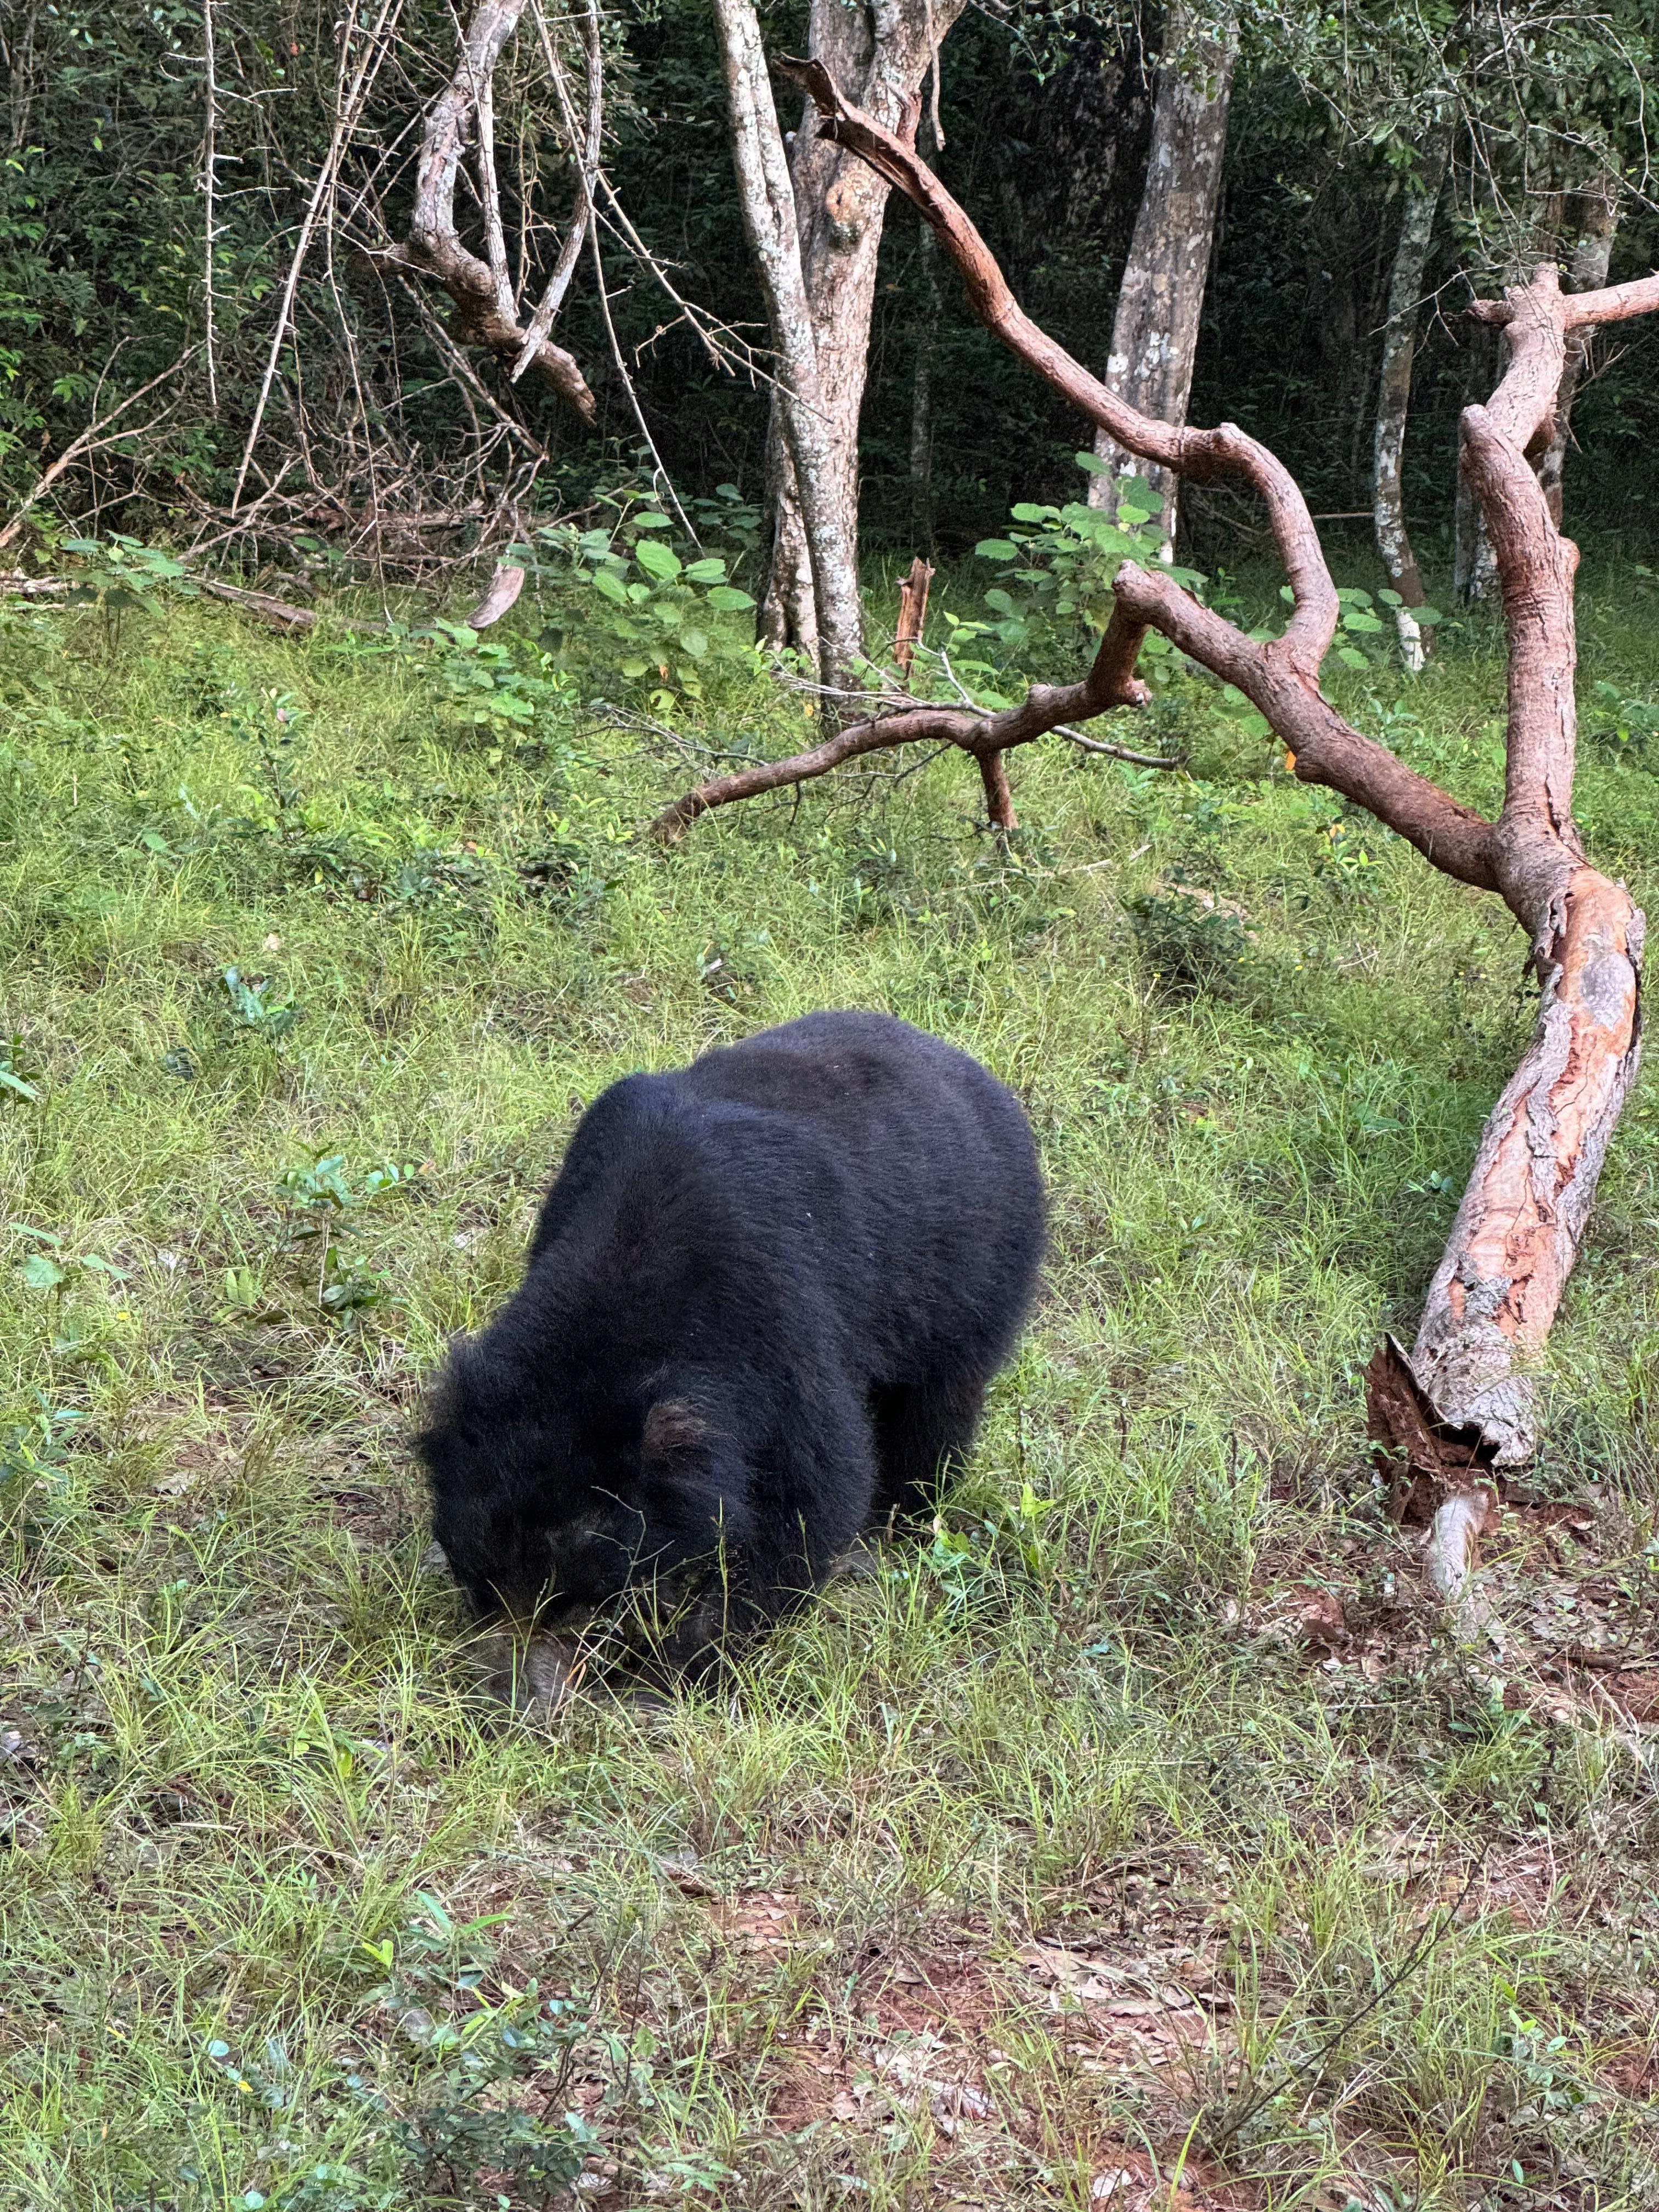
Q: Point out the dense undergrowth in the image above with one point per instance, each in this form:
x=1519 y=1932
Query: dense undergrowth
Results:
x=1145 y=1823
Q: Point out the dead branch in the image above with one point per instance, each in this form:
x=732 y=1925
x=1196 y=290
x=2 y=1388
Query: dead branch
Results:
x=565 y=267
x=486 y=312
x=349 y=99
x=913 y=616
x=1110 y=683
x=99 y=433
x=1523 y=1213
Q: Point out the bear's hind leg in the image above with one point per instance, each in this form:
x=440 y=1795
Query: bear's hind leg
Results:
x=922 y=1435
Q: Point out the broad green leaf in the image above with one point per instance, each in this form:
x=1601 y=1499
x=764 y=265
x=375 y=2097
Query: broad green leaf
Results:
x=996 y=549
x=726 y=599
x=1351 y=595
x=650 y=520
x=694 y=642
x=41 y=1273
x=1091 y=464
x=1132 y=517
x=610 y=586
x=1026 y=513
x=10 y=1081
x=706 y=572
x=658 y=561
x=632 y=668
x=1427 y=617
x=1350 y=657
x=1354 y=619
x=1001 y=602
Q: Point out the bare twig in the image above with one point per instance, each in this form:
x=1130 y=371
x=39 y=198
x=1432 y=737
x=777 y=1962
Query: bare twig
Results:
x=348 y=103
x=98 y=434
x=565 y=267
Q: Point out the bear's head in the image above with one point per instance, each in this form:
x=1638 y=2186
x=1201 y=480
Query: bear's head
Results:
x=550 y=1504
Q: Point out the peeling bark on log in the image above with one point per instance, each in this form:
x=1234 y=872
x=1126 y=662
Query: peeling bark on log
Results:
x=1154 y=329
x=1588 y=268
x=1524 y=1214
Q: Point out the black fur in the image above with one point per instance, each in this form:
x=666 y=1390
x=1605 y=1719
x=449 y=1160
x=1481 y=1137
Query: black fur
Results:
x=763 y=1301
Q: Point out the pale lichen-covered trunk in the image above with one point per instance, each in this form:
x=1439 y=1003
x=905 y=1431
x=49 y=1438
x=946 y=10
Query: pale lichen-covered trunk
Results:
x=803 y=408
x=1587 y=271
x=1154 y=332
x=885 y=50
x=1394 y=392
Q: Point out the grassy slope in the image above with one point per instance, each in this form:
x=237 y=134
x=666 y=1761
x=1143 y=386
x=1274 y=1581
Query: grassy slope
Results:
x=1057 y=1848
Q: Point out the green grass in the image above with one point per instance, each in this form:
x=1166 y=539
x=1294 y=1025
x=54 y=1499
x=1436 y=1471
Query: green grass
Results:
x=1060 y=1849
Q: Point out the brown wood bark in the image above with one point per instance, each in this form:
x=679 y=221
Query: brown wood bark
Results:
x=1394 y=392
x=1155 y=329
x=1523 y=1213
x=885 y=53
x=913 y=616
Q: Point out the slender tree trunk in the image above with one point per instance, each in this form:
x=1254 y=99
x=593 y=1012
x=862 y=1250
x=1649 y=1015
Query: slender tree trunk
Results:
x=1395 y=393
x=921 y=391
x=886 y=50
x=1155 y=332
x=805 y=433
x=1587 y=272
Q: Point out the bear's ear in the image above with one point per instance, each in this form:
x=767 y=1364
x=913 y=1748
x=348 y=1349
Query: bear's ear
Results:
x=673 y=1427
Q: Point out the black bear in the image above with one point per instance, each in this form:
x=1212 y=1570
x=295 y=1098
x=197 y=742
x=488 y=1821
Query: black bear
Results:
x=764 y=1300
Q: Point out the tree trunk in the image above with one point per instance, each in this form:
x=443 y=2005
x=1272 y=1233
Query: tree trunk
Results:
x=1473 y=569
x=1154 y=332
x=1395 y=393
x=921 y=391
x=886 y=52
x=1588 y=269
x=804 y=429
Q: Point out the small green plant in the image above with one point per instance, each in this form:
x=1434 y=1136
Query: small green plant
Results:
x=666 y=608
x=118 y=574
x=52 y=1269
x=499 y=689
x=38 y=1446
x=253 y=1013
x=1056 y=563
x=14 y=1080
x=1193 y=941
x=317 y=1203
x=468 y=2124
x=267 y=724
x=1619 y=724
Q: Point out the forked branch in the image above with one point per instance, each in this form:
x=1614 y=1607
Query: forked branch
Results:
x=486 y=310
x=1464 y=1403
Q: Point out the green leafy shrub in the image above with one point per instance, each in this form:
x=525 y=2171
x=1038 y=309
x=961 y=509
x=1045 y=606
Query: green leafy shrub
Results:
x=1192 y=941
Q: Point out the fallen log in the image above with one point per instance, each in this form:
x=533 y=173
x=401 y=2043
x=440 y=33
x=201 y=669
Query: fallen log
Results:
x=1464 y=1408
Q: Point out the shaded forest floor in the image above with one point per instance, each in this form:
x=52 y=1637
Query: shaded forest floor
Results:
x=1144 y=1839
